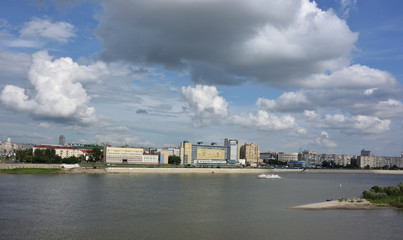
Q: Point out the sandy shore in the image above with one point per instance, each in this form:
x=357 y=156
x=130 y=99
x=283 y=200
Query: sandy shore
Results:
x=355 y=203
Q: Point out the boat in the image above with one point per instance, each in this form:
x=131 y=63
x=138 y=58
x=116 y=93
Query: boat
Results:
x=264 y=176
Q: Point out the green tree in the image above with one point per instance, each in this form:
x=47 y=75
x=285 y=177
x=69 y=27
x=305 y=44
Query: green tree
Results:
x=174 y=160
x=95 y=154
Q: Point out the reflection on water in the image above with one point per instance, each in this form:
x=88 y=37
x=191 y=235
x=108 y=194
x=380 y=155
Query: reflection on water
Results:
x=190 y=206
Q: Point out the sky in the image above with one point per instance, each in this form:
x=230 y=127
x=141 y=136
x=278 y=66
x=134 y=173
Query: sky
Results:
x=287 y=75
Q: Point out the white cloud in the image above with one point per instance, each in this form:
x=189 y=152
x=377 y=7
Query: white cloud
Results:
x=268 y=122
x=358 y=124
x=43 y=28
x=58 y=94
x=208 y=105
x=353 y=77
x=287 y=102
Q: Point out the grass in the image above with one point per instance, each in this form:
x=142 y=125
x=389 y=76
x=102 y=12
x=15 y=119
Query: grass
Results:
x=31 y=171
x=386 y=201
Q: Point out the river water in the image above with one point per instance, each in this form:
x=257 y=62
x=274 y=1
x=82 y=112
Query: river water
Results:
x=190 y=206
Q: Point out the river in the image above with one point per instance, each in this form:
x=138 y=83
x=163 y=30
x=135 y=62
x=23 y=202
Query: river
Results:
x=190 y=206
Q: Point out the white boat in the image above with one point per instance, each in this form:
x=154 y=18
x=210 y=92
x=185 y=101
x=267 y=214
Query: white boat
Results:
x=268 y=176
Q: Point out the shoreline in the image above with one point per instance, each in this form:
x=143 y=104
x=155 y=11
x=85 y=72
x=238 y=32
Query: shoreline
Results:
x=76 y=169
x=350 y=204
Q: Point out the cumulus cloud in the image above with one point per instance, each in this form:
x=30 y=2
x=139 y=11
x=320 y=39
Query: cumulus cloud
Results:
x=324 y=140
x=287 y=102
x=227 y=42
x=43 y=28
x=208 y=106
x=58 y=94
x=268 y=122
x=353 y=77
x=358 y=124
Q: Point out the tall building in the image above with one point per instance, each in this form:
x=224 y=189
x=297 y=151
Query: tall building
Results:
x=251 y=154
x=233 y=150
x=366 y=153
x=186 y=153
x=62 y=140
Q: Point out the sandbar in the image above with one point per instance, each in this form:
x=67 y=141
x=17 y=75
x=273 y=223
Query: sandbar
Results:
x=354 y=203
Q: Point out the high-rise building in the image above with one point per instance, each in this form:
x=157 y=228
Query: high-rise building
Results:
x=62 y=140
x=233 y=149
x=186 y=153
x=251 y=153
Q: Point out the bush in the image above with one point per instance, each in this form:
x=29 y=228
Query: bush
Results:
x=392 y=190
x=397 y=203
x=377 y=189
x=370 y=194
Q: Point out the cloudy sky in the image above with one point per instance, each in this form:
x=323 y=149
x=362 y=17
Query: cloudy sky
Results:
x=325 y=76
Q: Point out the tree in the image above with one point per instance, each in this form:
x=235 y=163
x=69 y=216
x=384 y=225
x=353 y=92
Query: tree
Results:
x=95 y=154
x=174 y=160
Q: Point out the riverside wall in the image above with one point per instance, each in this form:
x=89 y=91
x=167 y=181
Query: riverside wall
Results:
x=28 y=165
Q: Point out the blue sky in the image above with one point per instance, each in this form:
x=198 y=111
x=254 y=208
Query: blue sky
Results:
x=324 y=76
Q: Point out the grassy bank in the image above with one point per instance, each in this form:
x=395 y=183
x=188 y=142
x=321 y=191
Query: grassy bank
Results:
x=30 y=171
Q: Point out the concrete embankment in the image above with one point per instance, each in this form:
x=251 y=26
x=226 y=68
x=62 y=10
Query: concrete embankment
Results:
x=28 y=165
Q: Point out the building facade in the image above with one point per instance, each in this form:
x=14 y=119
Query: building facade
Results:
x=233 y=150
x=210 y=154
x=251 y=154
x=124 y=155
x=62 y=140
x=285 y=157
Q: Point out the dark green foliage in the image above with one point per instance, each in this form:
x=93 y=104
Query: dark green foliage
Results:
x=369 y=194
x=397 y=203
x=392 y=190
x=95 y=154
x=392 y=195
x=46 y=156
x=24 y=155
x=70 y=160
x=377 y=189
x=174 y=160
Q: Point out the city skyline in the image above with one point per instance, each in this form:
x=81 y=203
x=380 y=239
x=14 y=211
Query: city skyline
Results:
x=287 y=75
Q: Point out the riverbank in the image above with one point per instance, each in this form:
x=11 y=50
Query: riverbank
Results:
x=76 y=169
x=350 y=204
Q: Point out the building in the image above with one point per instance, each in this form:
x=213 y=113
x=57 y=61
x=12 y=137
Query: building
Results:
x=296 y=164
x=124 y=155
x=251 y=154
x=268 y=156
x=62 y=140
x=149 y=158
x=311 y=158
x=233 y=150
x=63 y=151
x=186 y=153
x=209 y=154
x=171 y=151
x=285 y=157
x=163 y=157
x=365 y=153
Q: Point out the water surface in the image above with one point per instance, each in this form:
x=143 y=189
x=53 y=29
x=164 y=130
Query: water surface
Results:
x=190 y=206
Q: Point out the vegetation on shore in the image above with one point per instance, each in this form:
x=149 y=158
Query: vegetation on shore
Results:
x=31 y=171
x=390 y=195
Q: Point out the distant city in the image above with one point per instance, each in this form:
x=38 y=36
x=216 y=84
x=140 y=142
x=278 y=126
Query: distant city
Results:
x=200 y=154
